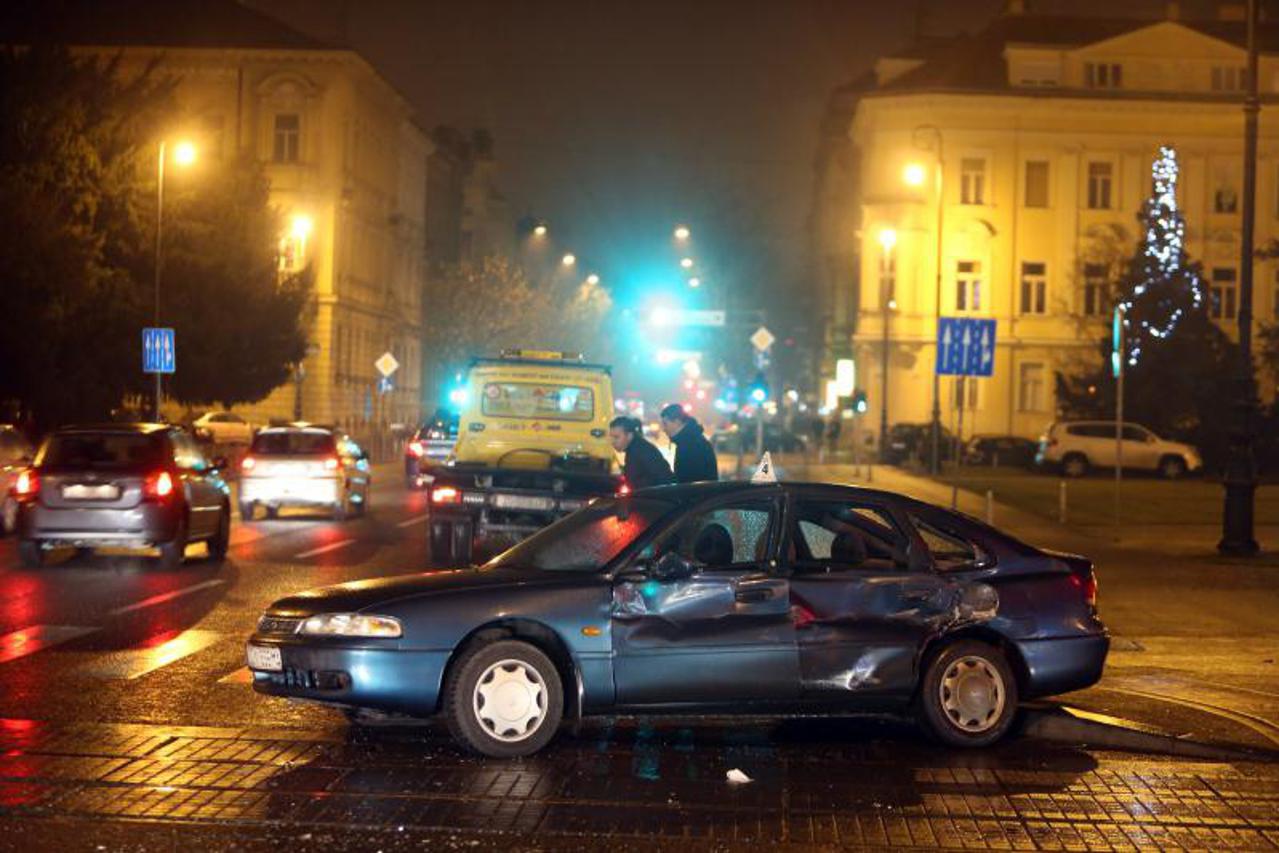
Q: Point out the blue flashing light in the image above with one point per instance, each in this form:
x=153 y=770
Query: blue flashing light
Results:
x=759 y=395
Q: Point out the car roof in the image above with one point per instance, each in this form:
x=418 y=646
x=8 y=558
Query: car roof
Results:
x=309 y=430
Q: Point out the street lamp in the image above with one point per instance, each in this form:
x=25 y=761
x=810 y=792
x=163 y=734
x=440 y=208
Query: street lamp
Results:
x=539 y=230
x=686 y=263
x=682 y=232
x=887 y=272
x=914 y=175
x=694 y=282
x=569 y=259
x=592 y=279
x=183 y=155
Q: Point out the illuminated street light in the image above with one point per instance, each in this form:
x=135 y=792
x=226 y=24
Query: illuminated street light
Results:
x=686 y=263
x=887 y=238
x=184 y=153
x=694 y=282
x=300 y=227
x=682 y=232
x=914 y=174
x=592 y=279
x=569 y=259
x=540 y=230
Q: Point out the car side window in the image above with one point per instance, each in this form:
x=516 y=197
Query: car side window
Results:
x=726 y=537
x=186 y=453
x=949 y=549
x=836 y=536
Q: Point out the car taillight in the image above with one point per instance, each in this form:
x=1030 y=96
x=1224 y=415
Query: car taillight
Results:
x=158 y=486
x=332 y=464
x=623 y=490
x=446 y=495
x=1087 y=586
x=27 y=486
x=416 y=448
x=247 y=463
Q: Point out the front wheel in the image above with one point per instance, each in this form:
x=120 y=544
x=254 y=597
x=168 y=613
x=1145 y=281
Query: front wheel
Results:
x=1075 y=465
x=968 y=696
x=1172 y=468
x=504 y=699
x=221 y=541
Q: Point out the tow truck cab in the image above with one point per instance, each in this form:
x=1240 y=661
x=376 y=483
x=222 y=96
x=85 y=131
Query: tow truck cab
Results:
x=532 y=446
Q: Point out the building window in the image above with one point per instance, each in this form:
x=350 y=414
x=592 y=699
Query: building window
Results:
x=963 y=393
x=1100 y=178
x=1225 y=199
x=1030 y=388
x=1229 y=78
x=1223 y=293
x=1034 y=288
x=972 y=181
x=288 y=130
x=1095 y=290
x=968 y=295
x=887 y=280
x=1103 y=75
x=1036 y=187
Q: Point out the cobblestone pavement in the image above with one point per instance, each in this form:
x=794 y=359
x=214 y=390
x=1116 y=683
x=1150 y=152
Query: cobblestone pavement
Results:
x=815 y=783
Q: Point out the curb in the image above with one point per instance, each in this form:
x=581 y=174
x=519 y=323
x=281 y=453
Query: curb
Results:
x=1064 y=724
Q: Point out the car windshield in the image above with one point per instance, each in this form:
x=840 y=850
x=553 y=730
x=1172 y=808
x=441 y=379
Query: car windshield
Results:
x=102 y=450
x=293 y=443
x=588 y=539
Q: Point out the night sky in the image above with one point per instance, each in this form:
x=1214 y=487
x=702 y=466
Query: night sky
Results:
x=615 y=120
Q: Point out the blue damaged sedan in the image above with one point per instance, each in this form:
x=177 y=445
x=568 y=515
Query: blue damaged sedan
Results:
x=712 y=598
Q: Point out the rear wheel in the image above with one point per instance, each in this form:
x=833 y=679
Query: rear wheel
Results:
x=1172 y=467
x=968 y=696
x=173 y=551
x=30 y=553
x=1074 y=465
x=272 y=512
x=221 y=541
x=504 y=699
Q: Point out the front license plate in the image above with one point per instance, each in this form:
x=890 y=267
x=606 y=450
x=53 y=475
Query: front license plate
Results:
x=265 y=658
x=530 y=502
x=90 y=492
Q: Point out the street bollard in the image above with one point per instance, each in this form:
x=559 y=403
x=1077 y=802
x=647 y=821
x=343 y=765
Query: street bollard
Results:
x=990 y=507
x=1061 y=501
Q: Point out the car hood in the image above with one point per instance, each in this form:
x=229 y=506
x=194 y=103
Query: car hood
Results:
x=378 y=592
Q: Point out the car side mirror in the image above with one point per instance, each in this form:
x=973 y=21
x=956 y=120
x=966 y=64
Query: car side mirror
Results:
x=670 y=567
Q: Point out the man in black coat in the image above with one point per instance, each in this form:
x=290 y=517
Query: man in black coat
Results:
x=694 y=457
x=645 y=465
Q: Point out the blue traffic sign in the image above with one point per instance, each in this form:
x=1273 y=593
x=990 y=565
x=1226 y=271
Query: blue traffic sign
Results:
x=159 y=351
x=966 y=346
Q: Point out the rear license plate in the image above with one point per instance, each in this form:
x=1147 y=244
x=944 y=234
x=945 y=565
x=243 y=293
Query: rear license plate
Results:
x=91 y=492
x=265 y=658
x=530 y=502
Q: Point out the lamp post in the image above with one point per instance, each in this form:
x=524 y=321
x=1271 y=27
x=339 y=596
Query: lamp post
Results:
x=183 y=155
x=1240 y=481
x=887 y=274
x=915 y=175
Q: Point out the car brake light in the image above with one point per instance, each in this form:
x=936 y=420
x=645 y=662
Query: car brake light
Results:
x=27 y=485
x=332 y=463
x=247 y=463
x=1087 y=585
x=416 y=448
x=623 y=490
x=446 y=495
x=158 y=486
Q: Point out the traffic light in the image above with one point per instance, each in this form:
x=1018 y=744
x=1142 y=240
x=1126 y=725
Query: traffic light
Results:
x=859 y=402
x=759 y=388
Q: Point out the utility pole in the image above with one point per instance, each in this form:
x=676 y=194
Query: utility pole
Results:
x=1237 y=530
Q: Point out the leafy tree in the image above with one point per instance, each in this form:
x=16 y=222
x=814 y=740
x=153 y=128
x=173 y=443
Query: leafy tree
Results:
x=1177 y=357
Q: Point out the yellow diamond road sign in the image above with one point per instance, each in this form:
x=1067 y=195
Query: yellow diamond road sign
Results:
x=386 y=364
x=762 y=339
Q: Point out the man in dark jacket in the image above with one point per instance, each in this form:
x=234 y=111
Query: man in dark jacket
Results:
x=645 y=465
x=694 y=457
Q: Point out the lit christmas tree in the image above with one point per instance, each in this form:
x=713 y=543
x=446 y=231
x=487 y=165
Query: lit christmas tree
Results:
x=1160 y=287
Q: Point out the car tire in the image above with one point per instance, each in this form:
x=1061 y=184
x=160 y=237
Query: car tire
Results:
x=1172 y=467
x=9 y=517
x=968 y=695
x=1074 y=465
x=440 y=549
x=173 y=551
x=503 y=699
x=30 y=553
x=221 y=541
x=247 y=510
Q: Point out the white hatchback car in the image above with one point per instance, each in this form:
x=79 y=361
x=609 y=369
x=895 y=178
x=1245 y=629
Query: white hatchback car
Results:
x=225 y=427
x=1076 y=446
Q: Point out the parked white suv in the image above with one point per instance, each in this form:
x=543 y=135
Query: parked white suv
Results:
x=1076 y=446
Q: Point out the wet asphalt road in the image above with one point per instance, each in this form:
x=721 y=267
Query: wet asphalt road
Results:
x=126 y=723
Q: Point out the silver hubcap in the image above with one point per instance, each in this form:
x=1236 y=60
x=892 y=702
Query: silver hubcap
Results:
x=510 y=700
x=972 y=694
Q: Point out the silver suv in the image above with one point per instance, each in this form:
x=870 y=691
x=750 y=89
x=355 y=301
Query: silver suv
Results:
x=1077 y=446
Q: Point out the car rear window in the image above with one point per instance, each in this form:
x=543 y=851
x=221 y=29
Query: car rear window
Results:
x=102 y=450
x=293 y=443
x=543 y=400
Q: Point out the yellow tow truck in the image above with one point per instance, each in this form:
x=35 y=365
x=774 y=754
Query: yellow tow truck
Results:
x=532 y=446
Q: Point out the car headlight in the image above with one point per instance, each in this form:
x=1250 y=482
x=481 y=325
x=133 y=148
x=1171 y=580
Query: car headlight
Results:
x=350 y=625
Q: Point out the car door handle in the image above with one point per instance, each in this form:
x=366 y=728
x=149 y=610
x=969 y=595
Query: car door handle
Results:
x=753 y=596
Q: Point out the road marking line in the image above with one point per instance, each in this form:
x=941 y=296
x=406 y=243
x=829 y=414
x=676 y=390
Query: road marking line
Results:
x=239 y=676
x=33 y=638
x=165 y=596
x=135 y=663
x=412 y=521
x=1260 y=725
x=324 y=549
